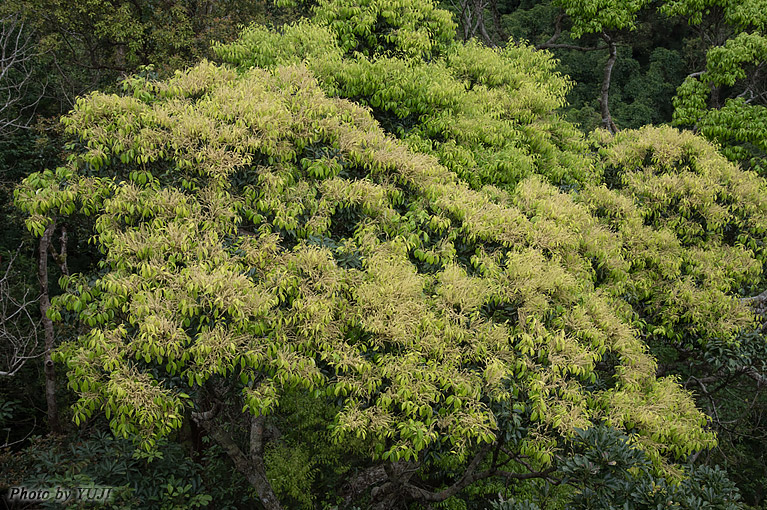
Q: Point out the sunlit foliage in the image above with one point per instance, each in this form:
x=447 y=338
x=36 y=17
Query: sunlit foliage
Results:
x=427 y=243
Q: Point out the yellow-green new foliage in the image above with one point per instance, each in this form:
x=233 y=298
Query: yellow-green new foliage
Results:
x=258 y=226
x=256 y=230
x=487 y=114
x=692 y=227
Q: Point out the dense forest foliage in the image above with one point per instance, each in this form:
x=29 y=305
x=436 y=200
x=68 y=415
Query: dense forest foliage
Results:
x=388 y=254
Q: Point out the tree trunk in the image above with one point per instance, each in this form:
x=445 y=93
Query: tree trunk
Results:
x=483 y=32
x=607 y=119
x=251 y=465
x=472 y=19
x=499 y=31
x=45 y=304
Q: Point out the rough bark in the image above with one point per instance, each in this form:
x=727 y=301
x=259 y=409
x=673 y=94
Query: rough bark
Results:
x=45 y=303
x=551 y=43
x=472 y=19
x=612 y=47
x=250 y=465
x=390 y=485
x=604 y=107
x=759 y=304
x=360 y=482
x=485 y=36
x=500 y=32
x=757 y=301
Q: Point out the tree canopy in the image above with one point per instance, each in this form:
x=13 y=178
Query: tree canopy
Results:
x=402 y=228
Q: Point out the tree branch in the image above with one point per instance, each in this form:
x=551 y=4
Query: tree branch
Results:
x=557 y=32
x=17 y=53
x=757 y=300
x=546 y=46
x=61 y=257
x=471 y=475
x=250 y=466
x=761 y=380
x=208 y=415
x=18 y=328
x=607 y=119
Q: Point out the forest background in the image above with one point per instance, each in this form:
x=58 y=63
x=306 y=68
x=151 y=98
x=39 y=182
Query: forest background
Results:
x=699 y=66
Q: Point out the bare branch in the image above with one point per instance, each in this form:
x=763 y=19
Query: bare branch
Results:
x=472 y=19
x=10 y=444
x=551 y=44
x=757 y=300
x=18 y=325
x=761 y=379
x=546 y=46
x=208 y=415
x=472 y=475
x=557 y=33
x=17 y=54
